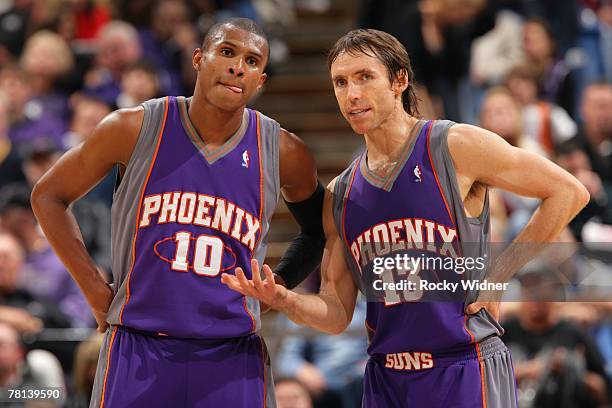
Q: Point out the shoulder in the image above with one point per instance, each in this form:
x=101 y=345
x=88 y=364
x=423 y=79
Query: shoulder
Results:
x=123 y=120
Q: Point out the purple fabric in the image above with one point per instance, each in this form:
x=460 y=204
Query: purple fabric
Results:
x=148 y=371
x=54 y=104
x=42 y=127
x=183 y=303
x=107 y=91
x=458 y=385
x=166 y=58
x=426 y=326
x=45 y=276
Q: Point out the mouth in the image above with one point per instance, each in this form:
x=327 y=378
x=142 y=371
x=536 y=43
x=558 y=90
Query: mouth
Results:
x=232 y=88
x=358 y=113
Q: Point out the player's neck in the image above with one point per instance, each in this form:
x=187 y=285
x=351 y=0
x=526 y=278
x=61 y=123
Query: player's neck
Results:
x=215 y=126
x=386 y=141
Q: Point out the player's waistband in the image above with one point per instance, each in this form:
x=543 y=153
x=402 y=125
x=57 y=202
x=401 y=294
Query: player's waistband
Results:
x=423 y=360
x=161 y=335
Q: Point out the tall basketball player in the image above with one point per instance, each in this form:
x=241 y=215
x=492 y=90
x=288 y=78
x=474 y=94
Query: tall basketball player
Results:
x=420 y=184
x=200 y=179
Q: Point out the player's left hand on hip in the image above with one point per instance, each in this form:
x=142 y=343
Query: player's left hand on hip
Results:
x=490 y=306
x=266 y=291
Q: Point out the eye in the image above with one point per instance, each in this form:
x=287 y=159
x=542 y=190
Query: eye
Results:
x=226 y=52
x=340 y=82
x=366 y=77
x=252 y=61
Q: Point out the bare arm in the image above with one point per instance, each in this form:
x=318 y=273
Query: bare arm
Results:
x=331 y=310
x=483 y=157
x=70 y=178
x=298 y=172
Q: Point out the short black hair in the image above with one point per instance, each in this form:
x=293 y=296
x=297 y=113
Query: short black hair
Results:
x=245 y=24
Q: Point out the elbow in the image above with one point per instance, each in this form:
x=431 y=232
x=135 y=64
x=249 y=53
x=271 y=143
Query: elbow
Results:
x=337 y=329
x=581 y=196
x=36 y=197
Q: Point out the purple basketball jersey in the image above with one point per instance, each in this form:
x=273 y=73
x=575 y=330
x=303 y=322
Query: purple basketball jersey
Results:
x=185 y=214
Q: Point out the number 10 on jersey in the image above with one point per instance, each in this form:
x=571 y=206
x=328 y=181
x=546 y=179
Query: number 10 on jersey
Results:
x=207 y=255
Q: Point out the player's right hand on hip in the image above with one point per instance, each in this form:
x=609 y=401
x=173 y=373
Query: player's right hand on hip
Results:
x=266 y=291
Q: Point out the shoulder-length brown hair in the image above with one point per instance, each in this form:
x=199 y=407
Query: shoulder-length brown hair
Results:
x=388 y=50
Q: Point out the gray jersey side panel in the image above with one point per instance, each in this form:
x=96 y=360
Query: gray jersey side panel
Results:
x=339 y=196
x=473 y=232
x=270 y=136
x=126 y=200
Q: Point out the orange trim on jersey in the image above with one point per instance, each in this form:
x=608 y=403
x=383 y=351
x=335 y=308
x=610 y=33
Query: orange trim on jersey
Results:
x=367 y=325
x=261 y=183
x=261 y=204
x=110 y=349
x=140 y=201
x=480 y=362
x=433 y=168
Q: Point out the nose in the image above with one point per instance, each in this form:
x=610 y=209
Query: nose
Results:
x=237 y=67
x=354 y=91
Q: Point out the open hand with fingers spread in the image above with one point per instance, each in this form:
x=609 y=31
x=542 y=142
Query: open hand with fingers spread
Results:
x=265 y=290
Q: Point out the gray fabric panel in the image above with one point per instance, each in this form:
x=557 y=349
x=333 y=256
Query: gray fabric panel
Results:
x=126 y=201
x=500 y=386
x=98 y=384
x=270 y=396
x=270 y=134
x=339 y=193
x=473 y=232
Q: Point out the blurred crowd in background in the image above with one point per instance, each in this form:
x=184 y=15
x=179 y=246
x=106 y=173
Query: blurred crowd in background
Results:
x=536 y=72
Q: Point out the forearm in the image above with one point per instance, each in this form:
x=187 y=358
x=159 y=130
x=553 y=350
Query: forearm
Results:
x=544 y=227
x=323 y=312
x=62 y=231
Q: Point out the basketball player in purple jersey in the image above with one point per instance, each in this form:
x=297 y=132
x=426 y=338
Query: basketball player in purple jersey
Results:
x=420 y=184
x=200 y=179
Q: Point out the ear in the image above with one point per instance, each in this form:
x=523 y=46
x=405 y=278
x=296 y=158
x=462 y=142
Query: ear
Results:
x=196 y=59
x=401 y=82
x=262 y=80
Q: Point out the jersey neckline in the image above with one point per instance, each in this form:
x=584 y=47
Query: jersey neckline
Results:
x=210 y=155
x=386 y=183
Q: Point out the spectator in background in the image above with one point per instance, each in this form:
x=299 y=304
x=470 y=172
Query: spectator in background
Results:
x=36 y=369
x=169 y=45
x=84 y=372
x=596 y=129
x=595 y=41
x=92 y=212
x=46 y=58
x=597 y=215
x=88 y=111
x=331 y=367
x=28 y=313
x=556 y=82
x=501 y=113
x=496 y=52
x=556 y=364
x=10 y=162
x=544 y=122
x=290 y=393
x=118 y=47
x=43 y=274
x=89 y=18
x=139 y=83
x=27 y=119
x=438 y=36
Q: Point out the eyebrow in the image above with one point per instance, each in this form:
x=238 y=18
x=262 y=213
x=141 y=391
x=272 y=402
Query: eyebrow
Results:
x=361 y=71
x=241 y=45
